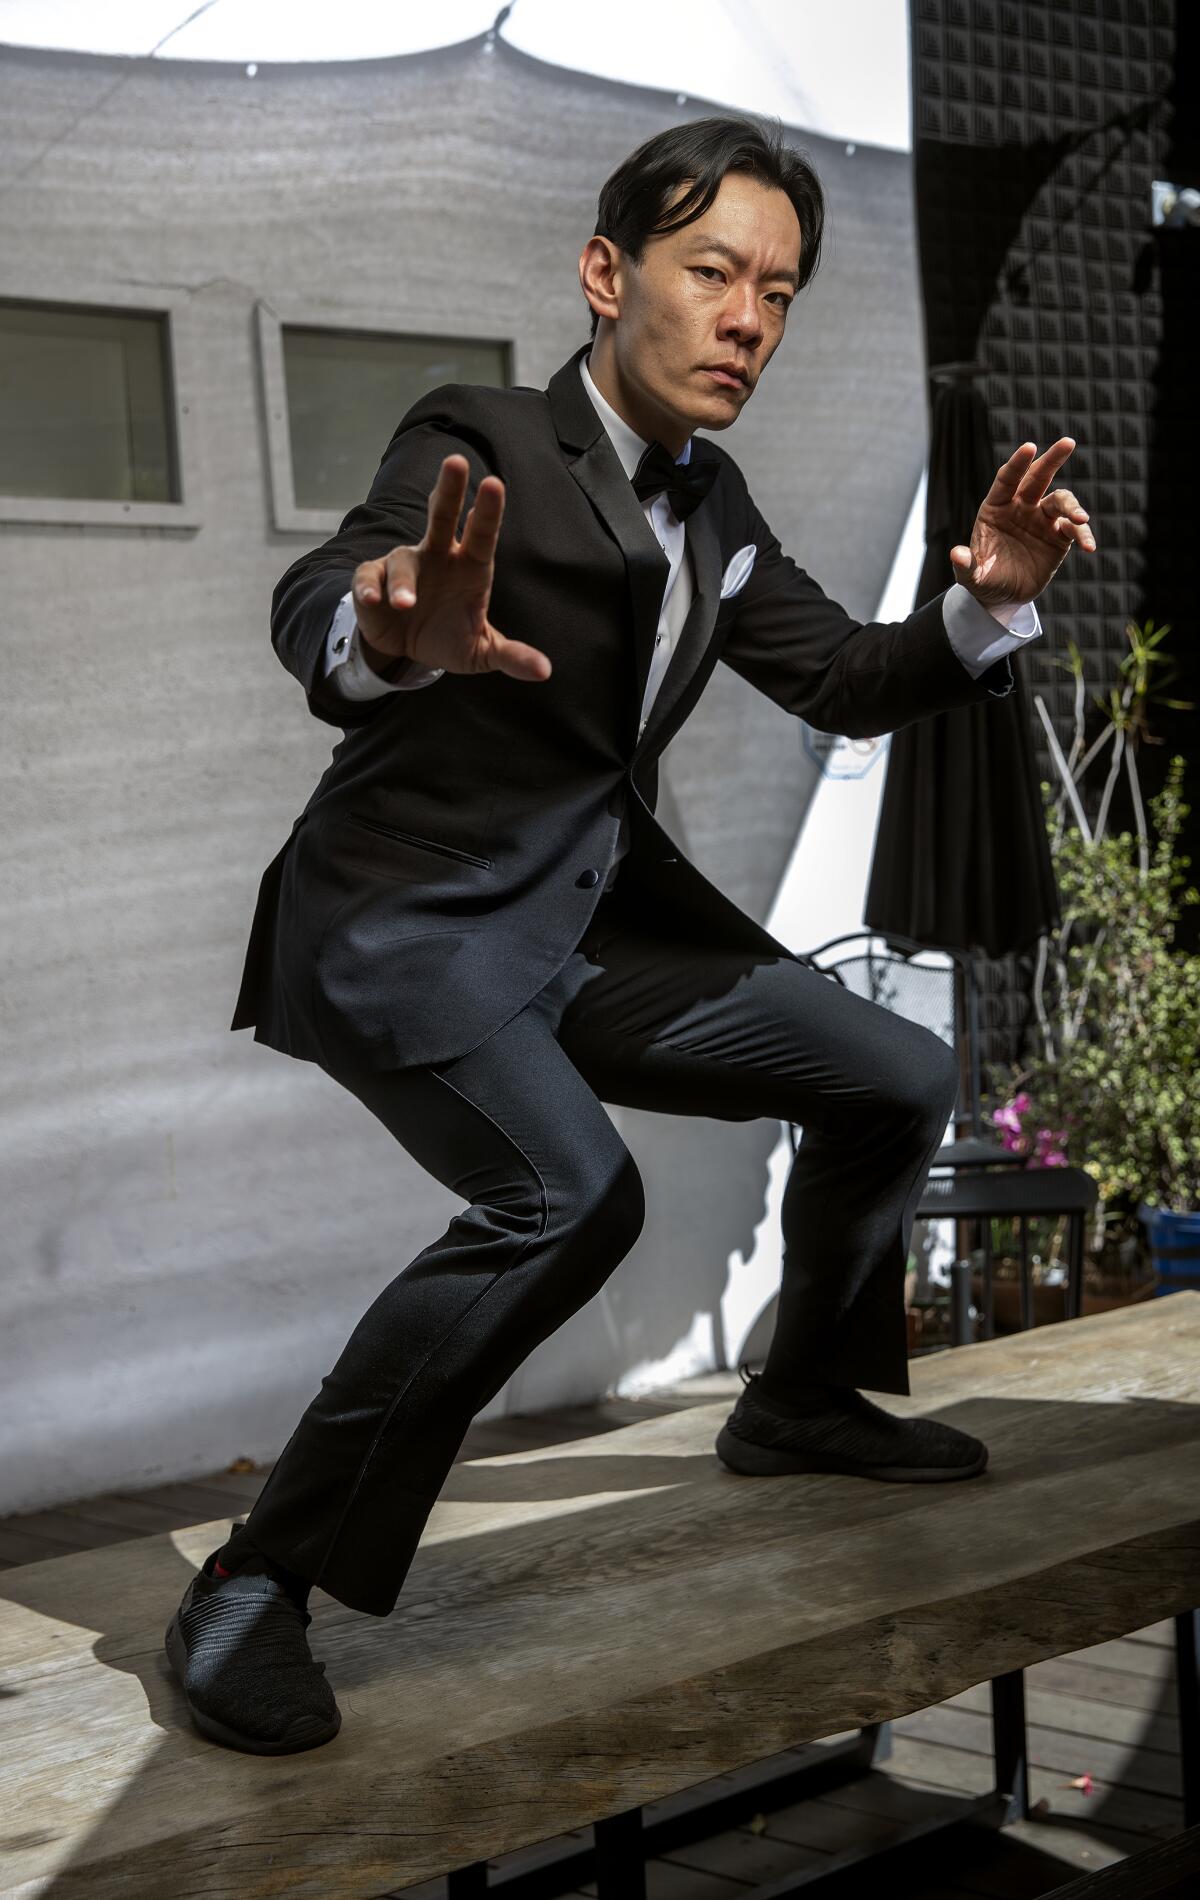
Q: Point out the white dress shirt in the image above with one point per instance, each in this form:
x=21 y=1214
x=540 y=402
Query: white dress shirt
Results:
x=979 y=635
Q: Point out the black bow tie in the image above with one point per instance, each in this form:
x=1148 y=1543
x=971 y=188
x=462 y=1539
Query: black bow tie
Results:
x=686 y=483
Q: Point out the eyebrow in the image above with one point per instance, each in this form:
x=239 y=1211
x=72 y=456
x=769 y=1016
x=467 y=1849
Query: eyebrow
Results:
x=725 y=250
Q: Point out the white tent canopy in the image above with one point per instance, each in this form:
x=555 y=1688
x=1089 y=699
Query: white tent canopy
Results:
x=835 y=67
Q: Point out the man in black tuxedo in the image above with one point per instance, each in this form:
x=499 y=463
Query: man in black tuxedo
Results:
x=480 y=929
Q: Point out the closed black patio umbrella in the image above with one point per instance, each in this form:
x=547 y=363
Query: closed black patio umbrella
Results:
x=961 y=859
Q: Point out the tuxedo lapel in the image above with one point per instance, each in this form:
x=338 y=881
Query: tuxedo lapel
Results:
x=696 y=632
x=596 y=466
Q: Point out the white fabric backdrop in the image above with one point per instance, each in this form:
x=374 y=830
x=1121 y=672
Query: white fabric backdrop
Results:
x=798 y=60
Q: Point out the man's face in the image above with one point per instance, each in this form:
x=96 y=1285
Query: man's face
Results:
x=715 y=292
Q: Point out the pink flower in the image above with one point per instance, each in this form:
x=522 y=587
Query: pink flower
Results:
x=1051 y=1148
x=1047 y=1149
x=1010 y=1115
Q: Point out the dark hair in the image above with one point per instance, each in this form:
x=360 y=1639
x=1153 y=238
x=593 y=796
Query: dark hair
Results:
x=634 y=199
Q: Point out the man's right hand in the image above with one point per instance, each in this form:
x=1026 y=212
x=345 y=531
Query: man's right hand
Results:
x=429 y=603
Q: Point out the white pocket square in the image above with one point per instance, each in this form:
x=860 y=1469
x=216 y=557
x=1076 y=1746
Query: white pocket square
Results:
x=738 y=572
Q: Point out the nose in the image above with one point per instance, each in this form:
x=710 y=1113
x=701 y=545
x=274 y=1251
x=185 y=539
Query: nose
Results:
x=740 y=318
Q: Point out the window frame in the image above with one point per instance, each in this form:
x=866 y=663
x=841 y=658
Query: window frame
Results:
x=183 y=386
x=271 y=319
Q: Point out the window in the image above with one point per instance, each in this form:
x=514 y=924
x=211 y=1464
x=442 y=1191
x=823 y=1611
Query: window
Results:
x=85 y=404
x=335 y=396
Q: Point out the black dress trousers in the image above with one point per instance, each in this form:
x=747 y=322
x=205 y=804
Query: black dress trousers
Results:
x=517 y=1127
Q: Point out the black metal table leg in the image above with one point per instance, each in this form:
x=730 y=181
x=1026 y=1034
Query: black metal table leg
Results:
x=960 y=1302
x=1187 y=1678
x=1074 y=1265
x=467 y=1883
x=1026 y=1287
x=620 y=1857
x=622 y=1845
x=1009 y=1744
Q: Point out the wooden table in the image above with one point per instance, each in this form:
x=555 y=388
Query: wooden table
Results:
x=592 y=1626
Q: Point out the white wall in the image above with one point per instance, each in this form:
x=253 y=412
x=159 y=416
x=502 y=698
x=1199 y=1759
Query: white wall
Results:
x=194 y=1223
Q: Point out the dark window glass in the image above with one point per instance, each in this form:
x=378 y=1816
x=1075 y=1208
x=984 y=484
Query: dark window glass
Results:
x=85 y=404
x=346 y=392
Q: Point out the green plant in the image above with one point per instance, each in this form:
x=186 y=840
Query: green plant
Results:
x=1117 y=1005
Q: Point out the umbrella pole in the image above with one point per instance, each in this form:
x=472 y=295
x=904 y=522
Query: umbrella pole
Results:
x=967 y=1041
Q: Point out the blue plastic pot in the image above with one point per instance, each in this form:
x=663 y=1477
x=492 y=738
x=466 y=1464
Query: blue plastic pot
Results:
x=1174 y=1247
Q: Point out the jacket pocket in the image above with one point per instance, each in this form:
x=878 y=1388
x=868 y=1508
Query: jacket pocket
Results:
x=370 y=823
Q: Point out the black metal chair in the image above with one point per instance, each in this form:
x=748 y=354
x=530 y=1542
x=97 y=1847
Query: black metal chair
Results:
x=972 y=1178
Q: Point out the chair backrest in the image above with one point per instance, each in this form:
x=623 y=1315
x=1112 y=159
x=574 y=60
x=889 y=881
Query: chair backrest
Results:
x=935 y=988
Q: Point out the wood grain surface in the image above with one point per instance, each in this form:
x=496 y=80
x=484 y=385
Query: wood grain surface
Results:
x=597 y=1623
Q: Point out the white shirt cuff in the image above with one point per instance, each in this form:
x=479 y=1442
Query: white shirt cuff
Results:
x=982 y=635
x=349 y=669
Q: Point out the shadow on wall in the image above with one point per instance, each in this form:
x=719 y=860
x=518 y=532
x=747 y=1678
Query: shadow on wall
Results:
x=658 y=1316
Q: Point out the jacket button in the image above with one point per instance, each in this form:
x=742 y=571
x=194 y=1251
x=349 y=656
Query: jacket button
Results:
x=587 y=878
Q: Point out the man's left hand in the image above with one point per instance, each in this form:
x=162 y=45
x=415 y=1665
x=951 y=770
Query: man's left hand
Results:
x=1021 y=533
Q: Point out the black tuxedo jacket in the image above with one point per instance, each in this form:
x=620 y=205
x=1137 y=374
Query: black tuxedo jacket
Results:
x=456 y=845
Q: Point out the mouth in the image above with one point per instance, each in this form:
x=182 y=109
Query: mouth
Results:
x=726 y=378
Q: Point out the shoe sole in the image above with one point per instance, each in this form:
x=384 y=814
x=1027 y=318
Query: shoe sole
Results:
x=309 y=1732
x=768 y=1461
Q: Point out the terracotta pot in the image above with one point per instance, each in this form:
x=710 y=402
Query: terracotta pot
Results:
x=928 y=1328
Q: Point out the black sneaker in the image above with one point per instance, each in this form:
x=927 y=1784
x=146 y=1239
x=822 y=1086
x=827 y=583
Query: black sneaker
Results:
x=239 y=1648
x=837 y=1429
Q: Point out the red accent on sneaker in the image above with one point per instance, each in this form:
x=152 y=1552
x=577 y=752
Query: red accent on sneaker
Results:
x=219 y=1569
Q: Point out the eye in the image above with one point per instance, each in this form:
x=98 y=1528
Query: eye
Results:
x=719 y=273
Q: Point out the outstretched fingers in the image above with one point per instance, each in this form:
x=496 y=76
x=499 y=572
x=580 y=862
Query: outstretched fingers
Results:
x=1068 y=517
x=482 y=528
x=1004 y=485
x=1026 y=474
x=445 y=503
x=1035 y=479
x=517 y=658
